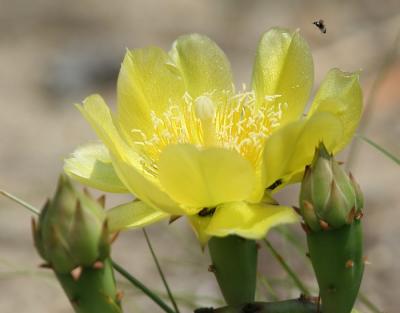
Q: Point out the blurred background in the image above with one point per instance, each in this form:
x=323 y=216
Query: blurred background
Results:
x=55 y=53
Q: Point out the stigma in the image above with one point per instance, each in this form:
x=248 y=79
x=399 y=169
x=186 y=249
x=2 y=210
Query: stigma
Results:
x=206 y=113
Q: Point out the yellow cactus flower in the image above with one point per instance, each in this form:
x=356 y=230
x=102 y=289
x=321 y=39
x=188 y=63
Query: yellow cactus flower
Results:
x=184 y=142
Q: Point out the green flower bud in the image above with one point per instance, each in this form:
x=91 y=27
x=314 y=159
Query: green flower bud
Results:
x=329 y=198
x=72 y=230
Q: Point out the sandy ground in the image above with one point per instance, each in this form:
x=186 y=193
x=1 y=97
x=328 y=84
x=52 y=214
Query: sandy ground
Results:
x=55 y=53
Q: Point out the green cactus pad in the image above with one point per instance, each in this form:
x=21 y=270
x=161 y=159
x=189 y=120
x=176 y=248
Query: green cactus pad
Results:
x=337 y=258
x=94 y=291
x=235 y=267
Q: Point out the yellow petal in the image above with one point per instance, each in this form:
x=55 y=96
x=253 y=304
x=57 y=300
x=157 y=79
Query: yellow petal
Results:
x=147 y=81
x=250 y=221
x=205 y=178
x=288 y=150
x=131 y=215
x=96 y=112
x=126 y=162
x=91 y=165
x=258 y=190
x=199 y=225
x=204 y=66
x=144 y=187
x=340 y=94
x=283 y=73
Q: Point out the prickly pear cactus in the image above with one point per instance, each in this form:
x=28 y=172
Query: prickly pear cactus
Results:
x=235 y=267
x=72 y=237
x=331 y=204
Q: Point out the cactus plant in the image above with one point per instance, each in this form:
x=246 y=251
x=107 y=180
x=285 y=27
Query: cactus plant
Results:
x=235 y=267
x=331 y=204
x=72 y=237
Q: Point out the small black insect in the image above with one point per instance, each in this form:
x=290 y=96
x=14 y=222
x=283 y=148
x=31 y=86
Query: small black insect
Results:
x=321 y=25
x=206 y=212
x=275 y=184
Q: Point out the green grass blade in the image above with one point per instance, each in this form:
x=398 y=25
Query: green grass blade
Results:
x=268 y=287
x=287 y=268
x=142 y=287
x=371 y=306
x=20 y=202
x=160 y=271
x=292 y=238
x=389 y=58
x=380 y=149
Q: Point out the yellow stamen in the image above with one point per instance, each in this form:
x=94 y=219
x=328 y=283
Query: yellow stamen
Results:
x=236 y=123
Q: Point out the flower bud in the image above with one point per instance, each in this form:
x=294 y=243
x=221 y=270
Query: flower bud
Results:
x=72 y=230
x=329 y=198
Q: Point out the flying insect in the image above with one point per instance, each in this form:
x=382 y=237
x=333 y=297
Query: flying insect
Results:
x=321 y=25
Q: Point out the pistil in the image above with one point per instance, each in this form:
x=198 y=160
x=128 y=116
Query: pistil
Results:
x=205 y=112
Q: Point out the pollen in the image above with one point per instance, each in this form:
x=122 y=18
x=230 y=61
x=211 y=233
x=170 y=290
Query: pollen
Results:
x=232 y=122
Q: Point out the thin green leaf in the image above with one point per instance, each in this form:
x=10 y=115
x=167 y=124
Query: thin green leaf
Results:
x=380 y=149
x=293 y=238
x=287 y=268
x=20 y=202
x=142 y=287
x=371 y=306
x=160 y=272
x=187 y=300
x=268 y=287
x=388 y=59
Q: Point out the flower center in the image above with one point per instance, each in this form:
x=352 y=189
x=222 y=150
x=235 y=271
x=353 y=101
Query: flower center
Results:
x=235 y=122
